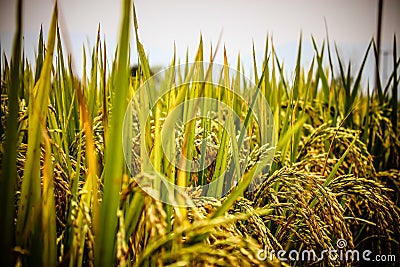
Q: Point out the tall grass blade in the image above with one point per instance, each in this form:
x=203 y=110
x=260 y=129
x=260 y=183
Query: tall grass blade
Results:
x=8 y=178
x=339 y=163
x=321 y=73
x=29 y=206
x=49 y=250
x=114 y=159
x=394 y=153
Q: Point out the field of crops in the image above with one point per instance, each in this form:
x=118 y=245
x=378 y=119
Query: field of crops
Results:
x=196 y=165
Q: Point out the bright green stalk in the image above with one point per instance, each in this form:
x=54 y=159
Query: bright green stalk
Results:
x=31 y=184
x=114 y=159
x=321 y=73
x=296 y=91
x=339 y=163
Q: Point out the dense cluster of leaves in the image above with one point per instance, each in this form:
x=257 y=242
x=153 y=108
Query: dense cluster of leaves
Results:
x=67 y=196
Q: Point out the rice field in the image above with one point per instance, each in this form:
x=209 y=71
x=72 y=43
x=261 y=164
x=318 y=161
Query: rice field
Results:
x=196 y=165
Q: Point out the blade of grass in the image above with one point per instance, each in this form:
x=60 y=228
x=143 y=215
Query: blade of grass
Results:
x=395 y=89
x=339 y=163
x=114 y=159
x=247 y=177
x=31 y=183
x=321 y=73
x=90 y=188
x=49 y=250
x=8 y=179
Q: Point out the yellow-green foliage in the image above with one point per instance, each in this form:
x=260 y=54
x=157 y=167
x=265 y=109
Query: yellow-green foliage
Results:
x=67 y=196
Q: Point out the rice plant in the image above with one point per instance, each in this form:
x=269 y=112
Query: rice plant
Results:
x=88 y=179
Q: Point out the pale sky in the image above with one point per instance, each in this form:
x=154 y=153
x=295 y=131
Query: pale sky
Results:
x=351 y=24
